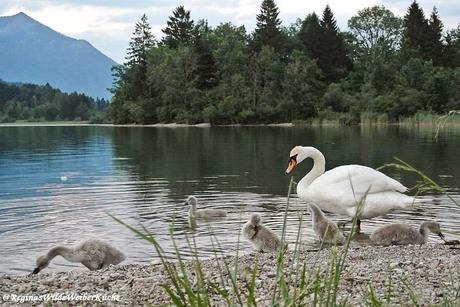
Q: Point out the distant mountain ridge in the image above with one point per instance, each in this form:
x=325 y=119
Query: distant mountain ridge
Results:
x=31 y=52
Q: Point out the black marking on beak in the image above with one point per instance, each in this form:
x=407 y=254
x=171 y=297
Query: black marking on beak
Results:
x=36 y=270
x=292 y=159
x=441 y=235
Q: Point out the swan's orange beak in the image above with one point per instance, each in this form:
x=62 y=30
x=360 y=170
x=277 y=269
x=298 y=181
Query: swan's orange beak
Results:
x=292 y=163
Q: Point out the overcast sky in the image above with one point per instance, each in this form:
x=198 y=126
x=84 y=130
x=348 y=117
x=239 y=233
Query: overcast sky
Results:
x=108 y=24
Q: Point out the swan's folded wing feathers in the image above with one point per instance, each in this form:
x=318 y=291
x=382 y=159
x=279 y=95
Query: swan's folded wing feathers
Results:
x=361 y=178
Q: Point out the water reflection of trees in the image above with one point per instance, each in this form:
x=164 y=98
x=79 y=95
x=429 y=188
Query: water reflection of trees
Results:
x=417 y=146
x=254 y=158
x=44 y=139
x=197 y=159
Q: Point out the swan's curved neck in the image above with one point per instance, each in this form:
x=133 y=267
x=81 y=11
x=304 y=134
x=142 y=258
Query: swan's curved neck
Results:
x=319 y=165
x=67 y=253
x=316 y=213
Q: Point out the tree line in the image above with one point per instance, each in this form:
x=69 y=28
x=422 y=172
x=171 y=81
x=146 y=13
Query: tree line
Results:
x=383 y=65
x=42 y=102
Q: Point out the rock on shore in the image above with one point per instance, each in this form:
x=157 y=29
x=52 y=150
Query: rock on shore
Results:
x=431 y=271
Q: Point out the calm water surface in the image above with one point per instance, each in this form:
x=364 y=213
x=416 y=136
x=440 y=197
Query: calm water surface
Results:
x=58 y=184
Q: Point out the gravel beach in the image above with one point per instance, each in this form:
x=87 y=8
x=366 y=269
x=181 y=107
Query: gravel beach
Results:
x=432 y=272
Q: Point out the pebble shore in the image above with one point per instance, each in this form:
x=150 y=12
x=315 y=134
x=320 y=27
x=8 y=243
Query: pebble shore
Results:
x=431 y=270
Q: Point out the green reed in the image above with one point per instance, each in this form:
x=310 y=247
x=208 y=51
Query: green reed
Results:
x=313 y=285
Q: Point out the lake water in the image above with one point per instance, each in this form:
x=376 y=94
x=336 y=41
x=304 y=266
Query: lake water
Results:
x=58 y=184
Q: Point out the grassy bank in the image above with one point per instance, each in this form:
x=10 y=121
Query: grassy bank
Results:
x=450 y=119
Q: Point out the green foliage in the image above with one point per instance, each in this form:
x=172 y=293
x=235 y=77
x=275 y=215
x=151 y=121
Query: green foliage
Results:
x=377 y=34
x=180 y=29
x=131 y=102
x=333 y=60
x=382 y=76
x=98 y=118
x=42 y=102
x=451 y=49
x=415 y=33
x=302 y=87
x=424 y=185
x=206 y=65
x=140 y=43
x=224 y=75
x=322 y=40
x=268 y=31
x=434 y=41
x=311 y=36
x=336 y=99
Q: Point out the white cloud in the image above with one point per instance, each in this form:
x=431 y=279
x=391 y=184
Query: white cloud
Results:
x=99 y=25
x=338 y=7
x=71 y=19
x=108 y=27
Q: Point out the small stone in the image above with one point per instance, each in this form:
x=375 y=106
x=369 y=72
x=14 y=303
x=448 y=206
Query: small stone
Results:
x=394 y=265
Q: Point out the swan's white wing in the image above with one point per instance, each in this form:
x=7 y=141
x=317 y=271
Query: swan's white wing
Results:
x=360 y=177
x=333 y=191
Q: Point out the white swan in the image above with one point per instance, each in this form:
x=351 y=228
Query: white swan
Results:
x=262 y=238
x=93 y=254
x=340 y=189
x=402 y=234
x=326 y=230
x=193 y=212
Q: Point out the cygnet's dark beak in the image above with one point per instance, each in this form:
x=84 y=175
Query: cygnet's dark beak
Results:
x=441 y=235
x=36 y=270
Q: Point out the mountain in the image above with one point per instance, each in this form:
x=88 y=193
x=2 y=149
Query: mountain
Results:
x=31 y=52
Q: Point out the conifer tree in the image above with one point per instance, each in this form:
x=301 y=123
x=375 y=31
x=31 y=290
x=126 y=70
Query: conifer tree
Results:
x=136 y=60
x=268 y=32
x=205 y=66
x=328 y=22
x=333 y=59
x=131 y=101
x=434 y=41
x=415 y=33
x=140 y=43
x=180 y=29
x=311 y=35
x=451 y=51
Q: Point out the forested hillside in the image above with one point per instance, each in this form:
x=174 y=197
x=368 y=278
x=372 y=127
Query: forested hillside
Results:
x=383 y=65
x=42 y=102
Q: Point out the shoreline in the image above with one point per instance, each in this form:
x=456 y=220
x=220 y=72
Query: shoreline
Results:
x=208 y=125
x=431 y=270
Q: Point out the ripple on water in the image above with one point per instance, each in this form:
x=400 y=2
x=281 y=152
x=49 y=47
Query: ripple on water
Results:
x=39 y=210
